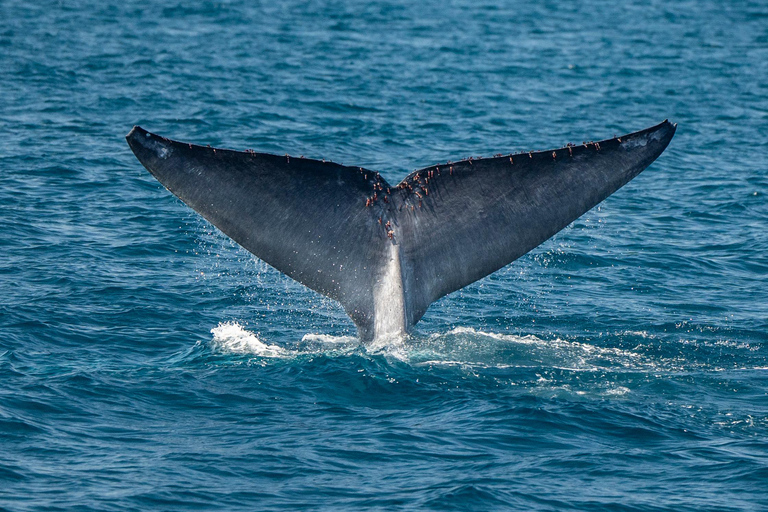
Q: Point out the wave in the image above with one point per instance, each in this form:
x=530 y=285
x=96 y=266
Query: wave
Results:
x=619 y=352
x=459 y=346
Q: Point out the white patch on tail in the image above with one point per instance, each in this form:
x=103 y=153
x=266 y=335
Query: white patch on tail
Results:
x=389 y=301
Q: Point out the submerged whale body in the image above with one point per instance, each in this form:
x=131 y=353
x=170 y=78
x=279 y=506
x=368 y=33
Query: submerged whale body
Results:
x=387 y=252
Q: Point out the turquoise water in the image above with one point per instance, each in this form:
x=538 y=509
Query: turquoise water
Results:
x=148 y=363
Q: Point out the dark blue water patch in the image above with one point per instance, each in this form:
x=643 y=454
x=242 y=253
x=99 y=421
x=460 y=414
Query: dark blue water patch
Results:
x=461 y=417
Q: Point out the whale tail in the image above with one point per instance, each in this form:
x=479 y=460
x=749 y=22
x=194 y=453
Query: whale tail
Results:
x=387 y=252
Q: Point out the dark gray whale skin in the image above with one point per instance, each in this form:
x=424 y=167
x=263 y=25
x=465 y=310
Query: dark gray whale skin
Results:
x=345 y=232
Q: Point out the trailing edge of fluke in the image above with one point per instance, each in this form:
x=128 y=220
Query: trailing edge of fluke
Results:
x=387 y=252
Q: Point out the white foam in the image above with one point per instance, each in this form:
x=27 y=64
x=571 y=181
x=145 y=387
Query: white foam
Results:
x=525 y=340
x=475 y=348
x=461 y=346
x=231 y=338
x=327 y=339
x=554 y=343
x=391 y=345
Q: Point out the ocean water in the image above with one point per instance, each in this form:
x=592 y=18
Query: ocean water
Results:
x=149 y=363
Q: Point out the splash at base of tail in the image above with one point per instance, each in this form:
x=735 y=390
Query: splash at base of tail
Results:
x=387 y=252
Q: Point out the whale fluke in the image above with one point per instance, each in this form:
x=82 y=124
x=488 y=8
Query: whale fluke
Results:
x=387 y=252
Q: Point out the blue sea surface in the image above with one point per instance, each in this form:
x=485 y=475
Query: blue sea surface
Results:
x=149 y=363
